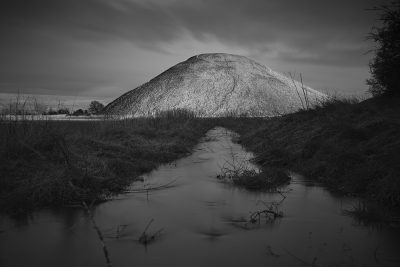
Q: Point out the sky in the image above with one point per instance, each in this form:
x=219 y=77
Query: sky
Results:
x=103 y=48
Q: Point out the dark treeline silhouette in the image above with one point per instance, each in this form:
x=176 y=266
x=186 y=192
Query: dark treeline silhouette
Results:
x=385 y=66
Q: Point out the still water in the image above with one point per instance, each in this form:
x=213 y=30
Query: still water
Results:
x=202 y=223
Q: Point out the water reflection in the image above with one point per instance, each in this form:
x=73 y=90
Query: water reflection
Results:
x=205 y=223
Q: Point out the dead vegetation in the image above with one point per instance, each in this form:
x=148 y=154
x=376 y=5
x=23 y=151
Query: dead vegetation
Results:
x=145 y=238
x=350 y=146
x=305 y=100
x=58 y=163
x=98 y=232
x=152 y=187
x=118 y=232
x=148 y=237
x=239 y=171
x=370 y=214
x=269 y=213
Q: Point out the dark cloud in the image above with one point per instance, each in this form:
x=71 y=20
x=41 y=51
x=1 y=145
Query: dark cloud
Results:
x=309 y=31
x=307 y=25
x=91 y=19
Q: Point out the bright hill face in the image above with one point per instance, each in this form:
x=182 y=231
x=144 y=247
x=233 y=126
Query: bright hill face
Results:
x=214 y=85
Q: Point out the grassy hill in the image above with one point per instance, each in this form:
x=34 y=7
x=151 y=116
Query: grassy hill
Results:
x=214 y=85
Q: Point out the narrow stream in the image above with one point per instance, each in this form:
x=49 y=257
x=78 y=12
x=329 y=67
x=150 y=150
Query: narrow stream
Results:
x=202 y=223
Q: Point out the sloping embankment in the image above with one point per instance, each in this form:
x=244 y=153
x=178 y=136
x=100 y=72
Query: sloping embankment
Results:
x=351 y=147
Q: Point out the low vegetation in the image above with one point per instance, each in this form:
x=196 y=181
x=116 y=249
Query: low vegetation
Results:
x=240 y=173
x=352 y=147
x=56 y=163
x=267 y=179
x=349 y=146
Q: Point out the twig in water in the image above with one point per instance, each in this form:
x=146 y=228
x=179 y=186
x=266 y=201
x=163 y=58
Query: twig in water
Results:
x=384 y=259
x=148 y=189
x=313 y=263
x=118 y=233
x=271 y=253
x=146 y=238
x=99 y=233
x=376 y=255
x=269 y=213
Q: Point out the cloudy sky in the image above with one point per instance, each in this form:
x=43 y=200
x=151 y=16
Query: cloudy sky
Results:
x=104 y=48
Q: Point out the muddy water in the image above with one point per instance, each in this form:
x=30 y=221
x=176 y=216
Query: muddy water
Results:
x=202 y=223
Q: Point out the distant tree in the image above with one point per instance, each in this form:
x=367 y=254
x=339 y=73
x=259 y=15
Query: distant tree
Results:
x=63 y=111
x=78 y=112
x=95 y=107
x=51 y=112
x=385 y=66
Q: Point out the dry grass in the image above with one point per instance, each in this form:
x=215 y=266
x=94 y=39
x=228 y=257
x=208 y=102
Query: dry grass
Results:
x=53 y=163
x=351 y=147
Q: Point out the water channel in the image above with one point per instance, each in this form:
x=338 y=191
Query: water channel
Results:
x=202 y=222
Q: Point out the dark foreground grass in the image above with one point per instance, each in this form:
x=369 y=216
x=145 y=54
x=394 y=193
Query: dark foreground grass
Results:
x=352 y=147
x=56 y=163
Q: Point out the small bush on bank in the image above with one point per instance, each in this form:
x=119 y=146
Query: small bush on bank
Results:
x=266 y=180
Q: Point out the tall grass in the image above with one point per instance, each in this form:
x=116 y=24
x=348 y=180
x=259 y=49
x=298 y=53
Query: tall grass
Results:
x=52 y=163
x=351 y=146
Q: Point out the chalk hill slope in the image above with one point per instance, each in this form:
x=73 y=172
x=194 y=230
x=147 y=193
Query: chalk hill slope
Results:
x=216 y=85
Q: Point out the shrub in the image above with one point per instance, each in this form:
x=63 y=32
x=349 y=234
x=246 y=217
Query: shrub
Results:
x=80 y=112
x=385 y=65
x=95 y=107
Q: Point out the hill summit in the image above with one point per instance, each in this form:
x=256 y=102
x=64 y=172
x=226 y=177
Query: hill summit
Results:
x=216 y=85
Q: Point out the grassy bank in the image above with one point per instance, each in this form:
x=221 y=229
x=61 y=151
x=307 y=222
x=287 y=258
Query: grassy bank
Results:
x=351 y=147
x=55 y=163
